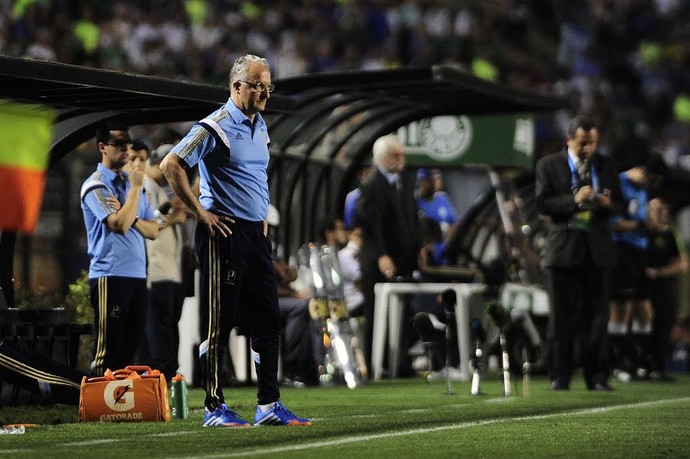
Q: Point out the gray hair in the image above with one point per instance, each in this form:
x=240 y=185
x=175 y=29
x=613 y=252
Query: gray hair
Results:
x=382 y=146
x=240 y=68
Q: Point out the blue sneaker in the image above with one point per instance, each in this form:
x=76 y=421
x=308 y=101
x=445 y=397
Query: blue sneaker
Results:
x=278 y=416
x=223 y=417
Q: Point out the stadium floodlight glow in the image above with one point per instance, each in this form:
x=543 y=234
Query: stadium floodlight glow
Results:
x=335 y=276
x=350 y=380
x=341 y=350
x=318 y=282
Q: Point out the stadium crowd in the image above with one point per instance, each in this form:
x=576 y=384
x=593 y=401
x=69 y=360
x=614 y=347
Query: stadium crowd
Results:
x=621 y=61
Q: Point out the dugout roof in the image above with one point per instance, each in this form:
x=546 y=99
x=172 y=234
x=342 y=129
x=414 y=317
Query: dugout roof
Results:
x=322 y=126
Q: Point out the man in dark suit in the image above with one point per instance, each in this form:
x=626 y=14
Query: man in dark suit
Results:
x=578 y=190
x=387 y=214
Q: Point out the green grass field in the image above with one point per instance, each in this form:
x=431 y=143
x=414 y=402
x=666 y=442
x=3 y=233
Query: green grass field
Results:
x=392 y=419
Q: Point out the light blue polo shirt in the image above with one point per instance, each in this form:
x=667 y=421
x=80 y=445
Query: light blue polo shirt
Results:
x=112 y=254
x=635 y=198
x=233 y=160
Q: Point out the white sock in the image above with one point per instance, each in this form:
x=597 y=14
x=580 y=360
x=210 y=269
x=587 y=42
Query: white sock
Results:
x=617 y=328
x=267 y=408
x=641 y=328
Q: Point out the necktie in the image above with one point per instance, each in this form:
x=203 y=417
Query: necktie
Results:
x=583 y=171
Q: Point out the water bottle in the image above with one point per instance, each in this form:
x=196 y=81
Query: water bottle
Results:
x=12 y=430
x=178 y=397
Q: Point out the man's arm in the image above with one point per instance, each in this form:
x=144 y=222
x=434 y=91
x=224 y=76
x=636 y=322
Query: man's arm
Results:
x=144 y=229
x=123 y=219
x=551 y=199
x=177 y=178
x=147 y=228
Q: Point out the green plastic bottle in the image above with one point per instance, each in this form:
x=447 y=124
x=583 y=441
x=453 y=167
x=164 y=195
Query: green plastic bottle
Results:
x=178 y=397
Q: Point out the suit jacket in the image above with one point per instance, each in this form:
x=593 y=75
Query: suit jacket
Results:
x=565 y=245
x=389 y=222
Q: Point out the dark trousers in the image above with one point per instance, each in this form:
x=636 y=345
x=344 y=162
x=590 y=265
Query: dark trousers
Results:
x=664 y=297
x=39 y=374
x=579 y=314
x=296 y=336
x=370 y=276
x=238 y=287
x=163 y=314
x=119 y=305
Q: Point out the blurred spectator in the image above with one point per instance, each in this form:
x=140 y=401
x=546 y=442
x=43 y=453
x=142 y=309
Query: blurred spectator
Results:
x=667 y=258
x=352 y=197
x=388 y=215
x=630 y=322
x=433 y=202
x=164 y=268
x=351 y=272
x=626 y=59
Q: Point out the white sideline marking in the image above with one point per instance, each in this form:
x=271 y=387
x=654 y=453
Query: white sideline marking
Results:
x=91 y=442
x=462 y=425
x=172 y=434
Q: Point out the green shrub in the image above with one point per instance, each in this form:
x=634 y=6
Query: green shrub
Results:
x=77 y=301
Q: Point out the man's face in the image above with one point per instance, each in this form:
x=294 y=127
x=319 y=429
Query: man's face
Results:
x=394 y=160
x=114 y=152
x=137 y=157
x=437 y=181
x=340 y=233
x=426 y=187
x=252 y=93
x=583 y=143
x=658 y=213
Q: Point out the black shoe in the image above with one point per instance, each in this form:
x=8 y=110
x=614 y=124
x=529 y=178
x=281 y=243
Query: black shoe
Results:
x=557 y=384
x=600 y=387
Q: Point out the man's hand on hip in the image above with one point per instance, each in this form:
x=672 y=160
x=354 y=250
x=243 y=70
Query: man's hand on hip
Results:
x=215 y=223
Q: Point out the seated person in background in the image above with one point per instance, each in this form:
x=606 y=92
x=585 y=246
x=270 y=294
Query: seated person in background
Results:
x=435 y=204
x=433 y=244
x=332 y=233
x=351 y=272
x=434 y=264
x=352 y=197
x=299 y=368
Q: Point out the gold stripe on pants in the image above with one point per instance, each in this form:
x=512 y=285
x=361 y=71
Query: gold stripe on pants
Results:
x=32 y=372
x=214 y=314
x=101 y=350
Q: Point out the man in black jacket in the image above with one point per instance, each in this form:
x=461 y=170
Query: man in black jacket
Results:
x=387 y=214
x=578 y=190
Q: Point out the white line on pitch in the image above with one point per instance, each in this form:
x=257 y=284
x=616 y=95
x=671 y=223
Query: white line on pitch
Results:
x=91 y=442
x=462 y=425
x=172 y=434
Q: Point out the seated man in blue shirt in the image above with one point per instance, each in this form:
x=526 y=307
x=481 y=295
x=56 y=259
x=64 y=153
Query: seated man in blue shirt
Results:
x=118 y=217
x=434 y=204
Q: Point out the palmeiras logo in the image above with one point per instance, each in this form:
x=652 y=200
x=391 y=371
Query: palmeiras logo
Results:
x=446 y=137
x=119 y=396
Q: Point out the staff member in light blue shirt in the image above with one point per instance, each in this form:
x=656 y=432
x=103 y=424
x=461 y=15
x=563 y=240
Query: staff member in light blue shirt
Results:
x=118 y=217
x=238 y=282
